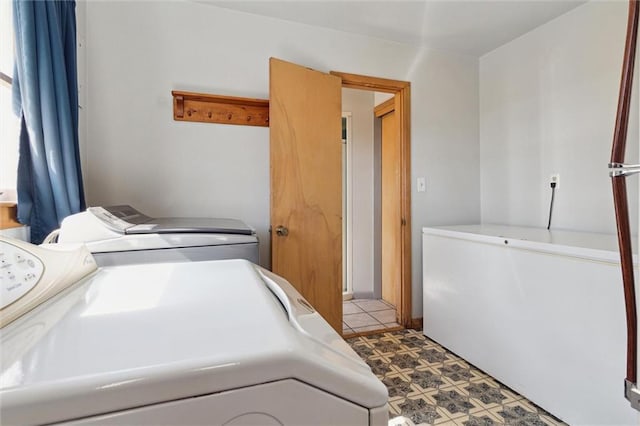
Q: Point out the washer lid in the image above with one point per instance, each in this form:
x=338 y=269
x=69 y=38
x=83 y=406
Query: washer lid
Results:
x=167 y=225
x=154 y=241
x=136 y=335
x=131 y=221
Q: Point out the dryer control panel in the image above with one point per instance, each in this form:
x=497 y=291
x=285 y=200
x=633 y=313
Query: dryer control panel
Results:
x=30 y=275
x=20 y=271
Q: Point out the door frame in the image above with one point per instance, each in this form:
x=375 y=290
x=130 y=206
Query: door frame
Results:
x=393 y=290
x=347 y=210
x=402 y=100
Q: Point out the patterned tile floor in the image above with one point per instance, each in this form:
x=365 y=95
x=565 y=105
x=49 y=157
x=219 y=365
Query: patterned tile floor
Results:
x=430 y=385
x=360 y=315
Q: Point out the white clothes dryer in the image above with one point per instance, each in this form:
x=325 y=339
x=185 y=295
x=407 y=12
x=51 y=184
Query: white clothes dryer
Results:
x=191 y=343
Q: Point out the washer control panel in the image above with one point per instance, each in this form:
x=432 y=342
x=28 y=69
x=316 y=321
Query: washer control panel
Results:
x=20 y=271
x=110 y=220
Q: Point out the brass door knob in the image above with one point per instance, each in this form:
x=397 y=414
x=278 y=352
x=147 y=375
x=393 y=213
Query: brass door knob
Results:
x=282 y=231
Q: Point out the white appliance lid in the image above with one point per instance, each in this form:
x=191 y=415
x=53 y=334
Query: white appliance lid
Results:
x=132 y=221
x=142 y=334
x=154 y=241
x=588 y=245
x=166 y=225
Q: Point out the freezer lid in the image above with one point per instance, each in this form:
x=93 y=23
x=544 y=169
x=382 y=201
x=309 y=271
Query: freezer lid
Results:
x=587 y=245
x=142 y=334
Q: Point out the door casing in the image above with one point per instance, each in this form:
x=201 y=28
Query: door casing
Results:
x=402 y=107
x=390 y=237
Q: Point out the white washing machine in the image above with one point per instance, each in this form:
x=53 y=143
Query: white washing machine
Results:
x=215 y=342
x=121 y=235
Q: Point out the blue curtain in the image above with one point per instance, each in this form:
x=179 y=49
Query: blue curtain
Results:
x=46 y=98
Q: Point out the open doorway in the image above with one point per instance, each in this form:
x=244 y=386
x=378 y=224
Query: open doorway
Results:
x=374 y=169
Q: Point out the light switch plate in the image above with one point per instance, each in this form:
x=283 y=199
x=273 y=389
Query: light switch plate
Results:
x=421 y=184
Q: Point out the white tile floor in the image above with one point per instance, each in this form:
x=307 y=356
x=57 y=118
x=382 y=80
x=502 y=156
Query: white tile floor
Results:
x=367 y=315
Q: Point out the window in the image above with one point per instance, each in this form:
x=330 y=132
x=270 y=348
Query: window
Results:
x=9 y=123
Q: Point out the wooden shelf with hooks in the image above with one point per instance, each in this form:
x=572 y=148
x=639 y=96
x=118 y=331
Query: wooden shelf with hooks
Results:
x=8 y=215
x=205 y=108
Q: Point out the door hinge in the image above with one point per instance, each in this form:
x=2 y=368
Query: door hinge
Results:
x=632 y=394
x=403 y=222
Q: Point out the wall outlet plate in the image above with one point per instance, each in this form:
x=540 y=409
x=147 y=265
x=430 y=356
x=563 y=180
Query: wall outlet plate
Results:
x=555 y=178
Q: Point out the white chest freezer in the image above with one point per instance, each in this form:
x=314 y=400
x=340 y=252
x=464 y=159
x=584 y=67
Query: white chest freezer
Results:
x=216 y=342
x=121 y=235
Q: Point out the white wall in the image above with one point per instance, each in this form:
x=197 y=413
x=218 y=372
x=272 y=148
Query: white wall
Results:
x=548 y=105
x=444 y=146
x=360 y=104
x=81 y=58
x=380 y=97
x=137 y=52
x=9 y=122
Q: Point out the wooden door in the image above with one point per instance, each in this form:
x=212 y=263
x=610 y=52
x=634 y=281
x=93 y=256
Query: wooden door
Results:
x=306 y=184
x=391 y=213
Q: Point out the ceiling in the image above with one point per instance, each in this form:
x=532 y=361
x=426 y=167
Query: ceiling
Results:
x=469 y=27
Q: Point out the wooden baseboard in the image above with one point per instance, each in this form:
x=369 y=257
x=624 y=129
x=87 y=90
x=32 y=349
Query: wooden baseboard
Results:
x=416 y=323
x=369 y=333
